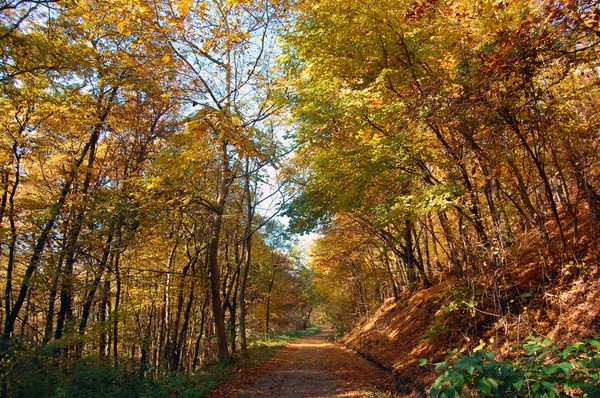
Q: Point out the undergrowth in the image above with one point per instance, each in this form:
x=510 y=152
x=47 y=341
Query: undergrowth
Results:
x=36 y=373
x=542 y=369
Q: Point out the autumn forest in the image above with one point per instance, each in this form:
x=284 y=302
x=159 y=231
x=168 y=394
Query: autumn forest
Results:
x=160 y=158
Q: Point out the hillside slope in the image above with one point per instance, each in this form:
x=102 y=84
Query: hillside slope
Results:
x=554 y=299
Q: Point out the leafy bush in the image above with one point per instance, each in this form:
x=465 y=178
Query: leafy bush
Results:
x=542 y=370
x=43 y=372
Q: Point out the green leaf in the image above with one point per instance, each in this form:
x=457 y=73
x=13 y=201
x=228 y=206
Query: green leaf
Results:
x=487 y=355
x=493 y=383
x=550 y=369
x=440 y=366
x=422 y=361
x=518 y=384
x=565 y=367
x=584 y=362
x=470 y=368
x=595 y=344
x=549 y=386
x=450 y=392
x=483 y=385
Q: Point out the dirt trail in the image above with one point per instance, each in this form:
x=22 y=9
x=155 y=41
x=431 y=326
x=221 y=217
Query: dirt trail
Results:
x=313 y=367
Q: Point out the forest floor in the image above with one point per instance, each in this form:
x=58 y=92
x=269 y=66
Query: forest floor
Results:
x=310 y=366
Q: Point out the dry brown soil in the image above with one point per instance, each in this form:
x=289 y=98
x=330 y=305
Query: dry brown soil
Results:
x=311 y=367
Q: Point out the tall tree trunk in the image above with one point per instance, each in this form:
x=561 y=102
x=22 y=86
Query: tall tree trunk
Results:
x=87 y=305
x=173 y=353
x=522 y=188
x=426 y=253
x=386 y=258
x=66 y=291
x=115 y=325
x=4 y=201
x=233 y=312
x=242 y=297
x=26 y=313
x=413 y=263
x=200 y=333
x=306 y=318
x=13 y=236
x=268 y=304
x=248 y=258
x=216 y=218
x=41 y=243
x=182 y=334
x=475 y=216
x=165 y=319
x=52 y=301
x=103 y=345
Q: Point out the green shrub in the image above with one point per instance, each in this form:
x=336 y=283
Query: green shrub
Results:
x=542 y=370
x=36 y=372
x=44 y=372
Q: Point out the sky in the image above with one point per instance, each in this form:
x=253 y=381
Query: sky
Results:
x=305 y=241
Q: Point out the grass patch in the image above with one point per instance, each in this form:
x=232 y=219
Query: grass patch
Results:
x=281 y=339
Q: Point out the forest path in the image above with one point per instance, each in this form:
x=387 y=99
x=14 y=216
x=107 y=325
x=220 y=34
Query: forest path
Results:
x=312 y=366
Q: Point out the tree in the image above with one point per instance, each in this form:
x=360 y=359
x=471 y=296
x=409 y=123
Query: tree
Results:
x=440 y=128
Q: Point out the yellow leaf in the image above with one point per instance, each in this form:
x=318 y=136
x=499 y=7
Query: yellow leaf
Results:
x=184 y=6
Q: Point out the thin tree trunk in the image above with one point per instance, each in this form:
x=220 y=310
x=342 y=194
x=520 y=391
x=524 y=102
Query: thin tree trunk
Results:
x=52 y=301
x=174 y=345
x=512 y=122
x=200 y=332
x=66 y=292
x=242 y=298
x=268 y=305
x=102 y=318
x=390 y=274
x=13 y=237
x=181 y=340
x=165 y=323
x=92 y=292
x=232 y=314
x=26 y=313
x=248 y=259
x=451 y=245
x=115 y=328
x=4 y=200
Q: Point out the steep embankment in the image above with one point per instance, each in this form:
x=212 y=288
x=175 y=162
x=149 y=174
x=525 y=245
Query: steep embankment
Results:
x=528 y=296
